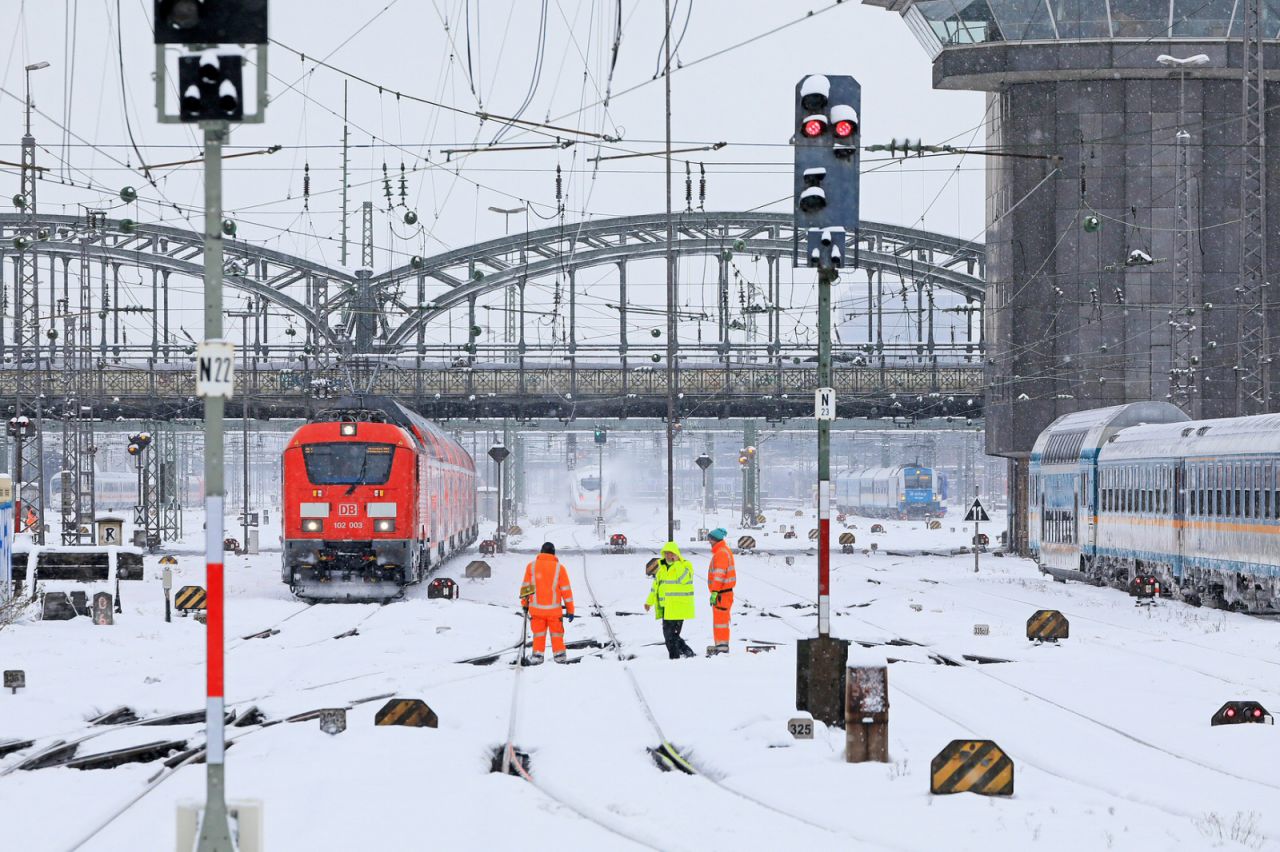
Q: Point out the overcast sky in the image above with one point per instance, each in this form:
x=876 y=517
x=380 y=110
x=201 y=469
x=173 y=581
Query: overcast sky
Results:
x=487 y=57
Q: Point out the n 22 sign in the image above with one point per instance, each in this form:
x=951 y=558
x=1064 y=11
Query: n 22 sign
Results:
x=215 y=369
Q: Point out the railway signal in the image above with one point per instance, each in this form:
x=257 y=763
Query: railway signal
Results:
x=139 y=442
x=210 y=21
x=825 y=137
x=1242 y=713
x=211 y=92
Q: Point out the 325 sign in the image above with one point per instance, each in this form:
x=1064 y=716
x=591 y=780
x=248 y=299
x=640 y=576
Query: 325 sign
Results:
x=801 y=729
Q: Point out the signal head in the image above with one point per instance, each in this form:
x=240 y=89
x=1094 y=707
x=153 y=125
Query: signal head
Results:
x=814 y=91
x=813 y=126
x=844 y=121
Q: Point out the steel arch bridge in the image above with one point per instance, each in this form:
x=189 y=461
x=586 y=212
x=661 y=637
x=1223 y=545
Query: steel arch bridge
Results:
x=313 y=330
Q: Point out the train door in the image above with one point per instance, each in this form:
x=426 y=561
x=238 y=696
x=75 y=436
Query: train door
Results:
x=1179 y=516
x=1083 y=520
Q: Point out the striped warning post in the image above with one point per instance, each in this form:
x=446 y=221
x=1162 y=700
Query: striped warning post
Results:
x=935 y=525
x=847 y=538
x=971 y=766
x=1048 y=625
x=189 y=598
x=813 y=534
x=409 y=712
x=746 y=542
x=651 y=567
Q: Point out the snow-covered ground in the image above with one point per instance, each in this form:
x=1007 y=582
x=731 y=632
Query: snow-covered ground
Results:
x=1109 y=730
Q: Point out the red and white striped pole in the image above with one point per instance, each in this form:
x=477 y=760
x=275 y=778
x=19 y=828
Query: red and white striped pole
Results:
x=824 y=405
x=216 y=375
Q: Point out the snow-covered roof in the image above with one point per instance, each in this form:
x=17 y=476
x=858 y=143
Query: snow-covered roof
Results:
x=1194 y=438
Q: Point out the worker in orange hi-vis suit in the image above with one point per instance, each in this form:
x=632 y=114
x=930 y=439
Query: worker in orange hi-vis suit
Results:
x=547 y=595
x=721 y=578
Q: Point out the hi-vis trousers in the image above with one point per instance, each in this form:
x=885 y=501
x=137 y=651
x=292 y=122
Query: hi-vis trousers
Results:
x=541 y=626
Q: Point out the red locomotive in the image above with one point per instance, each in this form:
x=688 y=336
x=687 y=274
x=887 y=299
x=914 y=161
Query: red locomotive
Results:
x=375 y=497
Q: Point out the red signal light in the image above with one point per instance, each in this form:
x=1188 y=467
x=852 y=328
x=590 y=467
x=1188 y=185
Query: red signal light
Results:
x=1257 y=712
x=843 y=129
x=814 y=127
x=1231 y=713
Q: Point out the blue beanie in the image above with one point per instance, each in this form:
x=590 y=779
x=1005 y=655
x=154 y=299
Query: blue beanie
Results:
x=717 y=534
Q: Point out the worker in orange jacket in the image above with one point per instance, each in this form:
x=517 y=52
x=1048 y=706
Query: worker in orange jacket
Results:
x=547 y=595
x=721 y=578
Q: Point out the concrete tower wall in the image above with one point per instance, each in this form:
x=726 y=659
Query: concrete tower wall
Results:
x=1070 y=326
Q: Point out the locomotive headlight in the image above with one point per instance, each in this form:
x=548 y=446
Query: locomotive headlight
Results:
x=347 y=430
x=384 y=525
x=313 y=525
x=380 y=510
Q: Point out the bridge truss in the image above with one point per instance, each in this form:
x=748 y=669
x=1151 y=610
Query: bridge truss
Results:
x=554 y=322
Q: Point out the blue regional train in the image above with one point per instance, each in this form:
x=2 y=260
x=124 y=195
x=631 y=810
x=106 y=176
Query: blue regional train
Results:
x=1141 y=490
x=892 y=492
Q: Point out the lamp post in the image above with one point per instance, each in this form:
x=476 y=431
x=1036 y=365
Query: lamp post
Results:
x=507 y=213
x=704 y=461
x=35 y=66
x=1182 y=323
x=499 y=454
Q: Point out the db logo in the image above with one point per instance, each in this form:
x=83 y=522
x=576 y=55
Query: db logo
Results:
x=347 y=510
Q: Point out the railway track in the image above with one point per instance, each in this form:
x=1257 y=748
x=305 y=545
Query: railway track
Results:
x=1139 y=740
x=664 y=753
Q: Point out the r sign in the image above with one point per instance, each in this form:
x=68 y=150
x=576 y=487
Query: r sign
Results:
x=215 y=368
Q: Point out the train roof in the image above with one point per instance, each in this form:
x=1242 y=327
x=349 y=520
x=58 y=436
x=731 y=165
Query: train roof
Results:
x=883 y=472
x=1195 y=438
x=1067 y=437
x=386 y=409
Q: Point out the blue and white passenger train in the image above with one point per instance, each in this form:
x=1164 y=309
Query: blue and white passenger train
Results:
x=891 y=492
x=1140 y=489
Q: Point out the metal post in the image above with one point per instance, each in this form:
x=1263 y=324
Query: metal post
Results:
x=671 y=292
x=215 y=831
x=244 y=433
x=502 y=531
x=600 y=490
x=826 y=277
x=976 y=524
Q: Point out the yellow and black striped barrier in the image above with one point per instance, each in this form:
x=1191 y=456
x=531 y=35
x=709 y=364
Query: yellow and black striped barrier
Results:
x=813 y=534
x=971 y=766
x=409 y=712
x=651 y=567
x=746 y=543
x=847 y=538
x=168 y=560
x=935 y=525
x=189 y=598
x=1048 y=625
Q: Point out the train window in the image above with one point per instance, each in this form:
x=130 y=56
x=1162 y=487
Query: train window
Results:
x=1218 y=506
x=348 y=463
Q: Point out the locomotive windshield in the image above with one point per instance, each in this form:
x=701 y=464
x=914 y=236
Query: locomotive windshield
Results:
x=918 y=480
x=348 y=464
x=590 y=483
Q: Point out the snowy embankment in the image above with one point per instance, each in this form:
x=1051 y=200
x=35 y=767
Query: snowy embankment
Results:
x=1108 y=731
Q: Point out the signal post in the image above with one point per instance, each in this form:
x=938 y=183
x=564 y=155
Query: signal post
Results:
x=826 y=136
x=209 y=71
